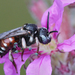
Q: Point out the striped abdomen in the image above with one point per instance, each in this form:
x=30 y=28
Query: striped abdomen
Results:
x=6 y=45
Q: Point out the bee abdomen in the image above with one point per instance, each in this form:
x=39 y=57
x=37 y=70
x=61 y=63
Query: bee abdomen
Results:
x=6 y=45
x=2 y=51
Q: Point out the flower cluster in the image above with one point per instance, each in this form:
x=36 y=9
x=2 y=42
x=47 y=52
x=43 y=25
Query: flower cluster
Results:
x=40 y=63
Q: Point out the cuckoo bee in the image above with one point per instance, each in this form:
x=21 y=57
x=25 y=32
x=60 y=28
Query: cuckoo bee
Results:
x=24 y=36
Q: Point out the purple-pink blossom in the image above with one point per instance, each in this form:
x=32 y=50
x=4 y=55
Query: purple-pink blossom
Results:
x=9 y=69
x=55 y=18
x=42 y=64
x=67 y=45
x=56 y=13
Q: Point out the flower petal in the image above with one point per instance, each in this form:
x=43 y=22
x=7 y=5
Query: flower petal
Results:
x=67 y=2
x=10 y=69
x=3 y=59
x=56 y=11
x=67 y=45
x=40 y=66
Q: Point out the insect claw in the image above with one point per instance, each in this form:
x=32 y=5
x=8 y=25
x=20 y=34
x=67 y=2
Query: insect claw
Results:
x=22 y=60
x=16 y=72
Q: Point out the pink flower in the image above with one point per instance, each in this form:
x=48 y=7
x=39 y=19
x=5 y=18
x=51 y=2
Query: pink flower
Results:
x=56 y=13
x=37 y=6
x=67 y=45
x=42 y=65
x=9 y=69
x=40 y=6
x=63 y=68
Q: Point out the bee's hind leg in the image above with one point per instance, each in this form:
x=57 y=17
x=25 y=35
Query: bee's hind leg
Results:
x=12 y=60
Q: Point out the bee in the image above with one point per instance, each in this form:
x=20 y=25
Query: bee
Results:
x=24 y=36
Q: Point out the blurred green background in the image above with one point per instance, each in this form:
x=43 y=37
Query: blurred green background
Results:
x=13 y=14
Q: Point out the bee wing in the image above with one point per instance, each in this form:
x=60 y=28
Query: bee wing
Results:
x=12 y=33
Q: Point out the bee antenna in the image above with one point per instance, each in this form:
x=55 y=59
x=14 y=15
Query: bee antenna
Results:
x=53 y=32
x=48 y=21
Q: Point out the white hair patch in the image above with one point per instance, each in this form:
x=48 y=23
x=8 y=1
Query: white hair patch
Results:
x=31 y=38
x=5 y=44
x=10 y=39
x=3 y=48
x=23 y=43
x=1 y=51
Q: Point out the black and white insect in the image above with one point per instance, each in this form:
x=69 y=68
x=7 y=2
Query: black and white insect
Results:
x=24 y=36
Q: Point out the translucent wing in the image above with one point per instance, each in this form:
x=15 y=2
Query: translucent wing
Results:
x=12 y=33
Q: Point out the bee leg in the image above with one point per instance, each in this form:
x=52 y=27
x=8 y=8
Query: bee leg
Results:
x=38 y=48
x=37 y=43
x=12 y=60
x=22 y=55
x=23 y=47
